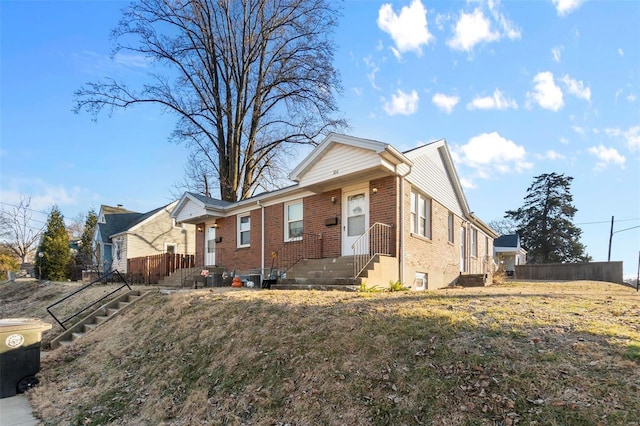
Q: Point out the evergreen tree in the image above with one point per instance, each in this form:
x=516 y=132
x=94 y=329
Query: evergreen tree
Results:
x=86 y=255
x=545 y=224
x=54 y=247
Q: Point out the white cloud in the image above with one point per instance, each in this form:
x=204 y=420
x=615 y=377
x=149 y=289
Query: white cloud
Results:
x=576 y=88
x=631 y=98
x=606 y=157
x=373 y=70
x=564 y=7
x=508 y=28
x=402 y=103
x=546 y=93
x=471 y=29
x=43 y=194
x=467 y=183
x=444 y=102
x=131 y=60
x=620 y=51
x=557 y=53
x=497 y=101
x=553 y=155
x=491 y=152
x=579 y=130
x=479 y=27
x=409 y=29
x=564 y=141
x=631 y=136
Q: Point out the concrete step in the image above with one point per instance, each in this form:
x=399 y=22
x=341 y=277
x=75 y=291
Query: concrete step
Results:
x=100 y=319
x=122 y=305
x=76 y=336
x=111 y=311
x=472 y=280
x=89 y=327
x=65 y=342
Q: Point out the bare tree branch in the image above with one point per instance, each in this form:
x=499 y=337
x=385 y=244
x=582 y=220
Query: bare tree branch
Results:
x=249 y=78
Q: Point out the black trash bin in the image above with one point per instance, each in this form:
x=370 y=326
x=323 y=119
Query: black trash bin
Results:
x=20 y=341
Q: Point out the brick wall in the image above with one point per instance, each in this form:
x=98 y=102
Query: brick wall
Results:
x=436 y=257
x=383 y=206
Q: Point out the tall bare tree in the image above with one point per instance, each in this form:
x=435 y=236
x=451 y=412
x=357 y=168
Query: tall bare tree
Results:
x=18 y=230
x=253 y=78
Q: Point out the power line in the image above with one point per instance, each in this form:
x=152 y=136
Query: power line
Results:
x=607 y=221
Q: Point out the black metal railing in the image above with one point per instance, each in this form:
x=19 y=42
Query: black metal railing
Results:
x=375 y=241
x=307 y=246
x=106 y=277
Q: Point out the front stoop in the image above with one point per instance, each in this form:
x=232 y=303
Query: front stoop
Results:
x=472 y=280
x=98 y=317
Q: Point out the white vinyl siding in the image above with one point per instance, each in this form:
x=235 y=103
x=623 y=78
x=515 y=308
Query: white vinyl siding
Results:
x=430 y=175
x=339 y=161
x=244 y=231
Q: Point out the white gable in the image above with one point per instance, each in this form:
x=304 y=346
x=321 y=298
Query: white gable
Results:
x=430 y=174
x=338 y=161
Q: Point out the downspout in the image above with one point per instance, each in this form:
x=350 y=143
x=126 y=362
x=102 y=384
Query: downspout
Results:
x=401 y=224
x=261 y=239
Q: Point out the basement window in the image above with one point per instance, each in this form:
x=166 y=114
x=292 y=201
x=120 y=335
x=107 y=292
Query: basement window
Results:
x=420 y=281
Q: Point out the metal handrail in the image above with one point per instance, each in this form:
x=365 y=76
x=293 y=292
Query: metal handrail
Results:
x=306 y=246
x=102 y=278
x=375 y=241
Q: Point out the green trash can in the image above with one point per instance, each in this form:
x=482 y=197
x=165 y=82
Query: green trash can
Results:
x=19 y=354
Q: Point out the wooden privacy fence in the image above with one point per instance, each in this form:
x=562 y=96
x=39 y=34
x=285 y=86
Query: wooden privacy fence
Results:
x=151 y=269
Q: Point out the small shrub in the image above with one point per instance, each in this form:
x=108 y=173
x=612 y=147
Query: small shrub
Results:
x=397 y=286
x=364 y=289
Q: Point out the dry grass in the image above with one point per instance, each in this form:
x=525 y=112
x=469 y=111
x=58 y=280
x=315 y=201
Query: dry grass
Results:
x=30 y=298
x=514 y=354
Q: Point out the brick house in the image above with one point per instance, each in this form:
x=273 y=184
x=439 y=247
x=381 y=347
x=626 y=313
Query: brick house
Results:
x=389 y=215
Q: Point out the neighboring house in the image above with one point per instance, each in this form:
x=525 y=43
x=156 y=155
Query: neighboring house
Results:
x=122 y=235
x=508 y=253
x=357 y=197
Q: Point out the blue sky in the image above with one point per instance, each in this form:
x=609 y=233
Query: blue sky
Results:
x=517 y=88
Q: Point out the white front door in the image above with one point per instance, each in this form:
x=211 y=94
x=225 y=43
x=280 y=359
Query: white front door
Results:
x=355 y=220
x=210 y=247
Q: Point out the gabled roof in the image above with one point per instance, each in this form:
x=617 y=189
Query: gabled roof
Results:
x=117 y=223
x=145 y=217
x=386 y=151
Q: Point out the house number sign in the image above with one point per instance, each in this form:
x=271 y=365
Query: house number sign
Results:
x=14 y=340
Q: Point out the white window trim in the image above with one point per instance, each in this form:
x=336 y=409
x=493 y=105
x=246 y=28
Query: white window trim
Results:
x=418 y=198
x=423 y=279
x=451 y=226
x=239 y=231
x=174 y=245
x=473 y=243
x=286 y=220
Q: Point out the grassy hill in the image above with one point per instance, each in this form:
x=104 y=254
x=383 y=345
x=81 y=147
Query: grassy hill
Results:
x=514 y=354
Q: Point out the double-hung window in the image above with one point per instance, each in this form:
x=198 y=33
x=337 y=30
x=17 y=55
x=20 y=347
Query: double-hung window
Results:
x=474 y=242
x=244 y=230
x=420 y=214
x=450 y=227
x=293 y=213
